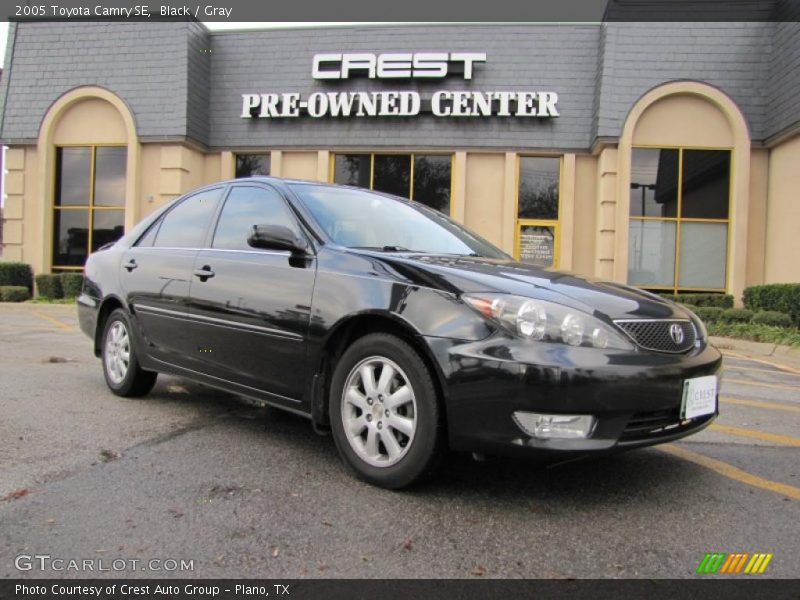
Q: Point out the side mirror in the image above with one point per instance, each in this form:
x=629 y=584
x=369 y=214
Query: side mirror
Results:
x=276 y=237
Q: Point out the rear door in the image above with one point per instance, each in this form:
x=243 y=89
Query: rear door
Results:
x=251 y=307
x=156 y=276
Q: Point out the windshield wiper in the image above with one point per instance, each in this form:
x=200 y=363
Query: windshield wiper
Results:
x=384 y=248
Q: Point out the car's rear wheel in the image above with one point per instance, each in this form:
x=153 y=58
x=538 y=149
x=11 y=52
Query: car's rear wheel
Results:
x=121 y=367
x=384 y=411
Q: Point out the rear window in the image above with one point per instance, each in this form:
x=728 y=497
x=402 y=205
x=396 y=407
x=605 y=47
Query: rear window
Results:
x=185 y=226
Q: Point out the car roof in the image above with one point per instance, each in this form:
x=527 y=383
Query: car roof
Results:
x=283 y=181
x=280 y=180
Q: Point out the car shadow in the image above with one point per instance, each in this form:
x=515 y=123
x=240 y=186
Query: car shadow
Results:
x=643 y=476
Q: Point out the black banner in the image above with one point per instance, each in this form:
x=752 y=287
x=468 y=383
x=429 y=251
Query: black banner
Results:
x=405 y=589
x=420 y=11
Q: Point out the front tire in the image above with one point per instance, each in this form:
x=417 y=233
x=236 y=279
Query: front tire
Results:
x=121 y=367
x=384 y=412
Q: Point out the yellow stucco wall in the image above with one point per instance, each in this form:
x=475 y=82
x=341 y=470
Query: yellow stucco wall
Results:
x=485 y=181
x=298 y=165
x=757 y=216
x=21 y=209
x=593 y=210
x=783 y=214
x=585 y=214
x=683 y=120
x=92 y=120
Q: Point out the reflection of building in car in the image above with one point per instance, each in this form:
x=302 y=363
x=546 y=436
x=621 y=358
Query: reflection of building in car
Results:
x=392 y=325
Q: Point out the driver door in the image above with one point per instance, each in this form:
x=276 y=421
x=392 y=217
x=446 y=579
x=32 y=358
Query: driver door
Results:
x=250 y=308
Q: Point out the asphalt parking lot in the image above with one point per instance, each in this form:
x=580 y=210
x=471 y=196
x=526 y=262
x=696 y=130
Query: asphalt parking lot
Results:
x=242 y=491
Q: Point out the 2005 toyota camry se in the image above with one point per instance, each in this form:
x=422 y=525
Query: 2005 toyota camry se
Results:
x=394 y=327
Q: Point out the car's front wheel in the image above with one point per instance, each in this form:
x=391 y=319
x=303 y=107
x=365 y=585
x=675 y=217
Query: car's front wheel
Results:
x=121 y=367
x=384 y=412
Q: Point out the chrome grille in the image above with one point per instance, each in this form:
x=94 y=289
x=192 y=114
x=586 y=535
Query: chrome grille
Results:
x=654 y=334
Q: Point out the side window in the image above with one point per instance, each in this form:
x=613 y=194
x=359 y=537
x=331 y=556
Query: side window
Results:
x=185 y=225
x=150 y=236
x=247 y=206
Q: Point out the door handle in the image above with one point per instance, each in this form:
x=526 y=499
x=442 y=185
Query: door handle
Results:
x=130 y=265
x=204 y=273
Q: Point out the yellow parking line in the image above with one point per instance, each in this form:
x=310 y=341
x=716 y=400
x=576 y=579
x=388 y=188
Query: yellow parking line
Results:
x=52 y=320
x=785 y=440
x=777 y=386
x=775 y=371
x=783 y=367
x=732 y=472
x=760 y=404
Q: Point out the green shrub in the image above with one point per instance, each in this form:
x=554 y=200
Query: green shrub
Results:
x=736 y=315
x=709 y=314
x=71 y=284
x=49 y=286
x=16 y=273
x=757 y=333
x=717 y=300
x=772 y=317
x=14 y=293
x=781 y=297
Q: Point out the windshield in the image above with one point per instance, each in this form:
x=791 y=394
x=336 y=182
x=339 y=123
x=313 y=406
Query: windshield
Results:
x=363 y=219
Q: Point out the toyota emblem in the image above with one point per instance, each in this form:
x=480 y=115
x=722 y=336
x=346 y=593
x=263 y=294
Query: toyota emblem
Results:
x=676 y=333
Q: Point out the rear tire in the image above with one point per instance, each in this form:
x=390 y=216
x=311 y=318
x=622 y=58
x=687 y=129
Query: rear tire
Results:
x=121 y=367
x=385 y=414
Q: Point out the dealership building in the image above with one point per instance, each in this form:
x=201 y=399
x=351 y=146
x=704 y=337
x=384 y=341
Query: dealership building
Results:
x=663 y=155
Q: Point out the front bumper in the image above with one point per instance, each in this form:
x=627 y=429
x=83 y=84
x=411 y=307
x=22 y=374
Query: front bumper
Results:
x=635 y=396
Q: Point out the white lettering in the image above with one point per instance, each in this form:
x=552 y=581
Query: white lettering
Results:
x=317 y=104
x=289 y=107
x=436 y=104
x=505 y=100
x=318 y=72
x=481 y=104
x=367 y=104
x=175 y=11
x=269 y=105
x=340 y=104
x=461 y=104
x=389 y=104
x=249 y=103
x=547 y=104
x=108 y=11
x=444 y=103
x=394 y=66
x=410 y=103
x=358 y=62
x=430 y=64
x=469 y=59
x=526 y=104
x=215 y=11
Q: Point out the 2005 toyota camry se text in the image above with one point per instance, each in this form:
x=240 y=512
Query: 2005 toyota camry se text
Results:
x=394 y=327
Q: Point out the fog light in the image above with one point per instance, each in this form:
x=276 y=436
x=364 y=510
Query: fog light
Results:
x=555 y=426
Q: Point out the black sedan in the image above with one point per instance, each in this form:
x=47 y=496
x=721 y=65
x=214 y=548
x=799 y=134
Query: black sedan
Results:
x=393 y=327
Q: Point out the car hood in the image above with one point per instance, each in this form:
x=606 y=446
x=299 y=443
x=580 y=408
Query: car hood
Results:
x=464 y=274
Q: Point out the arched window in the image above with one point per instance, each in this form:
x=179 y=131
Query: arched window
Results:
x=89 y=202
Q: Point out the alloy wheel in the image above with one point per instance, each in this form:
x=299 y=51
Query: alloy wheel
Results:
x=379 y=411
x=117 y=352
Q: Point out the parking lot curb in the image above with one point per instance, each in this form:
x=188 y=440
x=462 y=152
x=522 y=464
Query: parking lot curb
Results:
x=756 y=348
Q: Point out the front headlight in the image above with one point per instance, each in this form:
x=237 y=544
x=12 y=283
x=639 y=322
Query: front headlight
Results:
x=543 y=321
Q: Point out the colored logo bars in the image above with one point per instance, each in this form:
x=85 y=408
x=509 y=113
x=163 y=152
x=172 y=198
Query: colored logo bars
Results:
x=741 y=562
